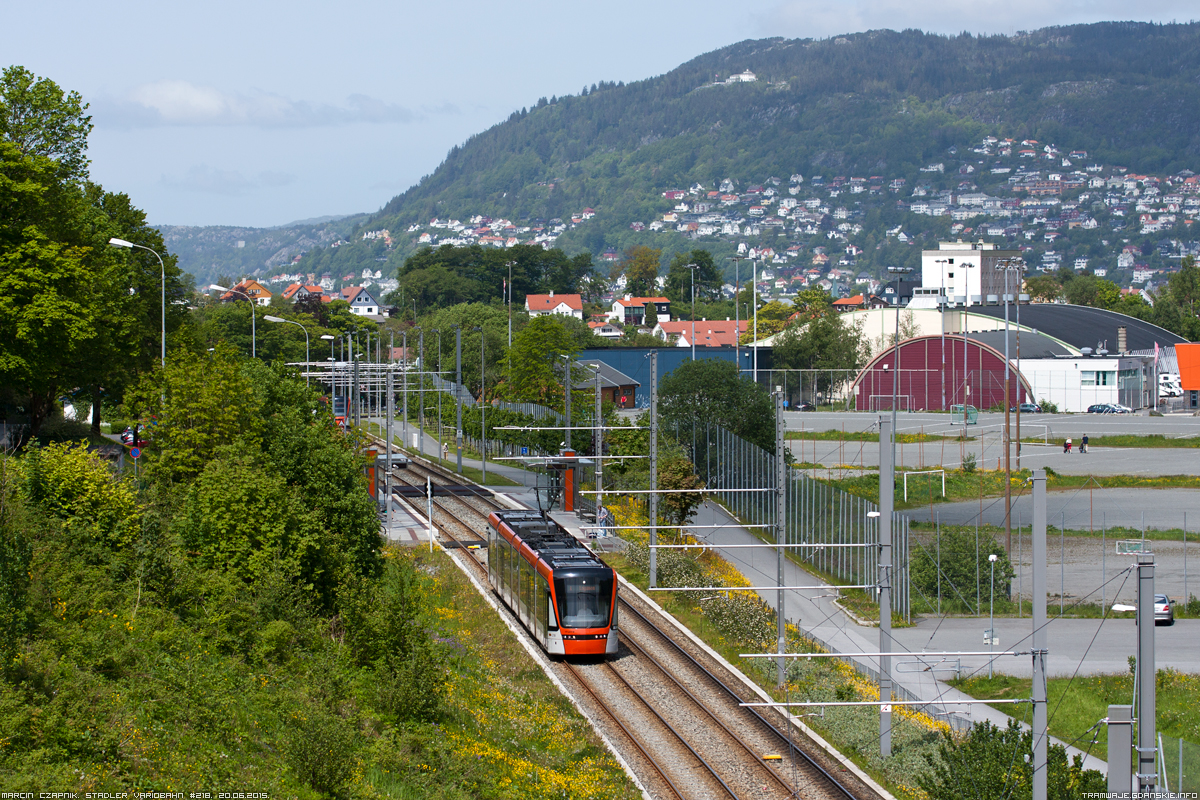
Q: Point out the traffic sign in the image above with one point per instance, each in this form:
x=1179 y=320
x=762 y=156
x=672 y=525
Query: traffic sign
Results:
x=524 y=451
x=136 y=452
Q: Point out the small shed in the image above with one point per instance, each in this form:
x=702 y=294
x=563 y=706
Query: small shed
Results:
x=615 y=386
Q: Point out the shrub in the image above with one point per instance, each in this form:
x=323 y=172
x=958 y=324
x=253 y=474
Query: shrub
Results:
x=960 y=564
x=319 y=747
x=968 y=464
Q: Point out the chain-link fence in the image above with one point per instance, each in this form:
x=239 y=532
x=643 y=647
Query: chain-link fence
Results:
x=1180 y=762
x=817 y=513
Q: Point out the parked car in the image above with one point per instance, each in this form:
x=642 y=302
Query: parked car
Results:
x=1164 y=610
x=1028 y=408
x=1100 y=408
x=806 y=407
x=1117 y=408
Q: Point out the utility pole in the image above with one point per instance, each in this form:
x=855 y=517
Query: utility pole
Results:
x=421 y=407
x=887 y=490
x=567 y=402
x=387 y=474
x=1147 y=740
x=653 y=469
x=1038 y=696
x=599 y=451
x=737 y=305
x=458 y=393
x=780 y=535
x=404 y=381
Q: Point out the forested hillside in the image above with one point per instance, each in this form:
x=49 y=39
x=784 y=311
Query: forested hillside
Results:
x=880 y=103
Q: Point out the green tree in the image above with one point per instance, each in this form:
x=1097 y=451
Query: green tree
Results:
x=1088 y=290
x=1043 y=289
x=42 y=121
x=198 y=405
x=990 y=763
x=713 y=390
x=678 y=479
x=534 y=361
x=680 y=275
x=963 y=562
x=640 y=268
x=826 y=344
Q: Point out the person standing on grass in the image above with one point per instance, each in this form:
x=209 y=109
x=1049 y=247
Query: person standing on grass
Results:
x=445 y=451
x=1083 y=443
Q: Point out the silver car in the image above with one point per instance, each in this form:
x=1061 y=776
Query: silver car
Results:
x=1164 y=610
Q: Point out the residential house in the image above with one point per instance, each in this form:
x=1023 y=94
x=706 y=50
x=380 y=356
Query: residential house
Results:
x=248 y=289
x=632 y=310
x=361 y=302
x=708 y=332
x=567 y=305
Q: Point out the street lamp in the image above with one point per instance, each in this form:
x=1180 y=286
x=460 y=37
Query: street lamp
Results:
x=115 y=242
x=992 y=612
x=331 y=339
x=270 y=318
x=253 y=317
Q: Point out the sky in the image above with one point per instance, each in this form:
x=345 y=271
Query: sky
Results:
x=258 y=113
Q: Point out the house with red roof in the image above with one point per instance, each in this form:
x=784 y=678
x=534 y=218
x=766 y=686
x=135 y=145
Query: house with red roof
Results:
x=567 y=305
x=629 y=310
x=248 y=289
x=708 y=332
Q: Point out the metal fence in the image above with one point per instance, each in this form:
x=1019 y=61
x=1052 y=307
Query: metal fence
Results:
x=817 y=513
x=1180 y=762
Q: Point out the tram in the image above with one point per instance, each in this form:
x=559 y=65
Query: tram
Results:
x=561 y=592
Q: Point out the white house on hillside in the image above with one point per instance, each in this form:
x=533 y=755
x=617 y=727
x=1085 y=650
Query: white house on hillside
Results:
x=567 y=305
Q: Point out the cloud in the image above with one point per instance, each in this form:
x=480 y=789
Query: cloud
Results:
x=815 y=18
x=174 y=102
x=204 y=179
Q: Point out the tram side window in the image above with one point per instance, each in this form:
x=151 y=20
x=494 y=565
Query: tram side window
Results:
x=541 y=612
x=584 y=598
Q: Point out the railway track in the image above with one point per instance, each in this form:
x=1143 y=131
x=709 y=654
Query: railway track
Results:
x=663 y=702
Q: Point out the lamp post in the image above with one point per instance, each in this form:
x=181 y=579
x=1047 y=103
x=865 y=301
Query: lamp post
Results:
x=115 y=242
x=482 y=403
x=693 y=268
x=270 y=318
x=253 y=317
x=992 y=612
x=330 y=338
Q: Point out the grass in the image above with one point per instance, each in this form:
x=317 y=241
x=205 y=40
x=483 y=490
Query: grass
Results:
x=989 y=484
x=1077 y=705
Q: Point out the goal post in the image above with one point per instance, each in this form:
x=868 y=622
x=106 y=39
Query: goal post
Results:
x=883 y=402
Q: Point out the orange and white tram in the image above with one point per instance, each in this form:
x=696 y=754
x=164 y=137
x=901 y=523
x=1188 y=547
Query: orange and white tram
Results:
x=561 y=592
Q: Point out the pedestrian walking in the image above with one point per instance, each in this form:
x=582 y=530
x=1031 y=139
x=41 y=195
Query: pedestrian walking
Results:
x=445 y=451
x=1083 y=443
x=1067 y=446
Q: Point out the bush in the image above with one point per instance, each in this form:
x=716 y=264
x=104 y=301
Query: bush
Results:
x=968 y=464
x=959 y=567
x=319 y=747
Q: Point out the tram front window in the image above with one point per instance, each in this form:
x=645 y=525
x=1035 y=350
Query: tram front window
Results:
x=584 y=598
